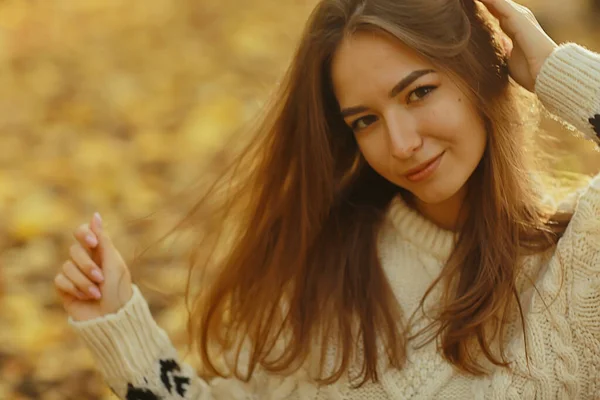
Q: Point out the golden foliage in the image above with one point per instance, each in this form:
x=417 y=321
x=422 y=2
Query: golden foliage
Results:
x=111 y=105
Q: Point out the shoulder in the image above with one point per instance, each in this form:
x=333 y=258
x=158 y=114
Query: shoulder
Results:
x=577 y=257
x=579 y=247
x=573 y=266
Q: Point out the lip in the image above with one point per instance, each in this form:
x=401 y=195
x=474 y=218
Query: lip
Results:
x=424 y=170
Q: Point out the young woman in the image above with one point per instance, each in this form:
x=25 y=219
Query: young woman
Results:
x=390 y=241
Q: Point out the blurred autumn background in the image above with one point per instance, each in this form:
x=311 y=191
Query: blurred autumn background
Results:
x=115 y=106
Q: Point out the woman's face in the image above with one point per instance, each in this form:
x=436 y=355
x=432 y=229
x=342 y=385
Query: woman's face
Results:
x=413 y=125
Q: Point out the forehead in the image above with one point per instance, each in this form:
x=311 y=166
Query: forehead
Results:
x=373 y=60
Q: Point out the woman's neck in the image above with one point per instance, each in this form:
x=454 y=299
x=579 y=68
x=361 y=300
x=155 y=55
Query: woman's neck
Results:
x=447 y=214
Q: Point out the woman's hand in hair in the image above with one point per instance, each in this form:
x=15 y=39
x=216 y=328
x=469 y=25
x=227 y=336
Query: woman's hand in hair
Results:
x=528 y=47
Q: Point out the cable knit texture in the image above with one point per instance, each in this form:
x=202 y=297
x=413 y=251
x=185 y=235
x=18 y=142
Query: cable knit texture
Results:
x=138 y=361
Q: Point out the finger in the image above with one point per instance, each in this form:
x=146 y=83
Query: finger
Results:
x=84 y=235
x=64 y=286
x=508 y=13
x=96 y=224
x=490 y=7
x=105 y=245
x=81 y=282
x=503 y=8
x=83 y=261
x=97 y=228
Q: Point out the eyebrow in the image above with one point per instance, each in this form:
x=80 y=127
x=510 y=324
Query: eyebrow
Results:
x=400 y=86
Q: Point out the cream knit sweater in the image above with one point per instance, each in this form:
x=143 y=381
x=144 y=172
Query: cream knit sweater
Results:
x=138 y=361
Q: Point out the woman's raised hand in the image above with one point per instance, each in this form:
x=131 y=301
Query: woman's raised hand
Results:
x=94 y=281
x=529 y=46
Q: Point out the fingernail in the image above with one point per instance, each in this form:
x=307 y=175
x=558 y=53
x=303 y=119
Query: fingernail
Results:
x=97 y=275
x=95 y=292
x=91 y=240
x=98 y=219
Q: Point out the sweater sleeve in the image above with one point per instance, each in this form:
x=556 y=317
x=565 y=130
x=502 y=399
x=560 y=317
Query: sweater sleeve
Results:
x=568 y=86
x=138 y=361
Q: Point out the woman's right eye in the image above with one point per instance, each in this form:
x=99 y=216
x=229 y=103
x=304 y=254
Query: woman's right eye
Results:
x=363 y=122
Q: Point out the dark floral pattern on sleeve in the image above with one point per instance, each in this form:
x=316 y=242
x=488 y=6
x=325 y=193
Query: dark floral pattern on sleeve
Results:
x=134 y=393
x=595 y=121
x=170 y=367
x=169 y=378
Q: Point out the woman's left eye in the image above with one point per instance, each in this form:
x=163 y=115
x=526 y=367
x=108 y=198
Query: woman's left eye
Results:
x=420 y=93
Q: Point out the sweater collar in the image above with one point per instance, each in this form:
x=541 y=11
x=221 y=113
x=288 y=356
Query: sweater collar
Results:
x=421 y=232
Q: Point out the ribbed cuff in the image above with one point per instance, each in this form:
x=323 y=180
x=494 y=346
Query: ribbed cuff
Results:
x=568 y=85
x=125 y=344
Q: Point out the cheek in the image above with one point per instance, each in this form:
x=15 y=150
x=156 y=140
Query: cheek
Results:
x=474 y=136
x=470 y=146
x=449 y=115
x=458 y=123
x=373 y=148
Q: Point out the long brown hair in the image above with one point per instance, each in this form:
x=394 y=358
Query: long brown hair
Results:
x=294 y=257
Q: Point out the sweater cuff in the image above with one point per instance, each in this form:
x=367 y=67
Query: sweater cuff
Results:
x=568 y=85
x=127 y=343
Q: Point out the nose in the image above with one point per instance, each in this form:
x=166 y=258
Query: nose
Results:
x=403 y=136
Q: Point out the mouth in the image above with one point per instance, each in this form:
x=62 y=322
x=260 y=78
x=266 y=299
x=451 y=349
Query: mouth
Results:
x=424 y=170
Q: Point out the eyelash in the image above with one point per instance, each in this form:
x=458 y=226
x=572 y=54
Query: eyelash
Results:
x=431 y=88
